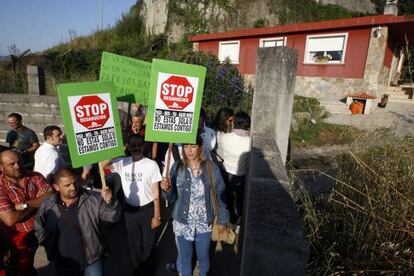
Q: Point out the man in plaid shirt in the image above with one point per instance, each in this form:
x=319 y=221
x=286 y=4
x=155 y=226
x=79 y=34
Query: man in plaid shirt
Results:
x=21 y=193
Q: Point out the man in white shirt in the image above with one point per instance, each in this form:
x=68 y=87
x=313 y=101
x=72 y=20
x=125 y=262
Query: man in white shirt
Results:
x=47 y=158
x=140 y=177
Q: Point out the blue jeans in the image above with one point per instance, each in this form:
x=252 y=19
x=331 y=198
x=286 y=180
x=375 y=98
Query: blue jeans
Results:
x=95 y=269
x=185 y=254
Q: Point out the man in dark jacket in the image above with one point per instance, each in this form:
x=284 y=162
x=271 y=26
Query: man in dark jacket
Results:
x=67 y=225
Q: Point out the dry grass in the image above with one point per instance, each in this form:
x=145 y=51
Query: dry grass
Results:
x=366 y=223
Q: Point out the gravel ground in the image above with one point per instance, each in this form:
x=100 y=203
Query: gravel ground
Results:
x=398 y=118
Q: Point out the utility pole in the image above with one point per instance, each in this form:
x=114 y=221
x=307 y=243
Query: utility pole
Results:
x=102 y=15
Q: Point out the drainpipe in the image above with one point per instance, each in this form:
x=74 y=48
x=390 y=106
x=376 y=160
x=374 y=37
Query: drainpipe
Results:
x=401 y=61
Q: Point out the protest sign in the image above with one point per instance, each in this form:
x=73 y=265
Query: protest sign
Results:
x=174 y=101
x=130 y=76
x=90 y=116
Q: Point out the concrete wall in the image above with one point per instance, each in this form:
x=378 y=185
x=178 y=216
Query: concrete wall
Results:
x=273 y=237
x=37 y=111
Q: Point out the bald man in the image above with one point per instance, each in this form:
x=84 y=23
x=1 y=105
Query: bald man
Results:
x=21 y=193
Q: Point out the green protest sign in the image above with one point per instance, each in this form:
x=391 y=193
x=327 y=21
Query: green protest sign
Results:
x=174 y=101
x=91 y=121
x=130 y=76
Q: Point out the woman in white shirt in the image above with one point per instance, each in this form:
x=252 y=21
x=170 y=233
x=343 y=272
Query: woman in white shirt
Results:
x=234 y=149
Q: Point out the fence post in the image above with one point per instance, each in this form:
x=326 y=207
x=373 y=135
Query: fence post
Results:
x=36 y=80
x=273 y=240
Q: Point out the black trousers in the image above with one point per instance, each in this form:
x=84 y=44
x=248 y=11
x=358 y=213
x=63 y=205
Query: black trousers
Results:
x=140 y=236
x=235 y=197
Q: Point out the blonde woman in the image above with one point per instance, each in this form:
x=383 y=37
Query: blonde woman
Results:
x=189 y=187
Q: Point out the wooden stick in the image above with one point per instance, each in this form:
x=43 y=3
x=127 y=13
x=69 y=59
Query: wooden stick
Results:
x=167 y=166
x=102 y=174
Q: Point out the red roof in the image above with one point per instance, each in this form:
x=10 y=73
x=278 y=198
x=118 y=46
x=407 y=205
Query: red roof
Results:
x=361 y=95
x=344 y=23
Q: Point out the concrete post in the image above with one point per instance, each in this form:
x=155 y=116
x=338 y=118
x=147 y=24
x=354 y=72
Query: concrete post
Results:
x=273 y=238
x=36 y=80
x=273 y=96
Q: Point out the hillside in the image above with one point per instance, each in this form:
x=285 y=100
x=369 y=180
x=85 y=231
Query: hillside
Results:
x=79 y=59
x=177 y=17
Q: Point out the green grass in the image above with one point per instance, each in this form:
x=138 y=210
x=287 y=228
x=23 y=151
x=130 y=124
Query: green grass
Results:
x=317 y=133
x=320 y=134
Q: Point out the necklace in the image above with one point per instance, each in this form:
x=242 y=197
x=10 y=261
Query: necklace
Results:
x=195 y=170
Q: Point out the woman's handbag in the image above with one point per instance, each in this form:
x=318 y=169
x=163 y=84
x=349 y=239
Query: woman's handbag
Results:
x=228 y=235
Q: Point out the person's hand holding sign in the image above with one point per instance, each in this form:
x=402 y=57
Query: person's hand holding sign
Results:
x=135 y=129
x=106 y=194
x=165 y=184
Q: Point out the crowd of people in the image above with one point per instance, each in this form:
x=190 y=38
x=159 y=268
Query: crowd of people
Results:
x=89 y=232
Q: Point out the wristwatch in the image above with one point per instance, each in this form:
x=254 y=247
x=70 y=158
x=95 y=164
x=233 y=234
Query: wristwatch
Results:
x=22 y=206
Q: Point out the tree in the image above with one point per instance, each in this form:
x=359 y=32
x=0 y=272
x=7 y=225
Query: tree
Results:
x=15 y=55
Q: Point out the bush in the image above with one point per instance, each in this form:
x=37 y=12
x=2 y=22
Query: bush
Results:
x=11 y=82
x=73 y=62
x=224 y=85
x=366 y=224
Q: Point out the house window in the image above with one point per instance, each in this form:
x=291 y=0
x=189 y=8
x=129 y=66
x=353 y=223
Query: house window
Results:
x=326 y=48
x=272 y=42
x=229 y=50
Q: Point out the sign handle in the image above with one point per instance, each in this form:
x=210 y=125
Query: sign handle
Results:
x=102 y=174
x=168 y=160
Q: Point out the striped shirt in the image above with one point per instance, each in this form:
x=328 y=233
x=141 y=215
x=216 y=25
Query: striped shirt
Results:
x=11 y=194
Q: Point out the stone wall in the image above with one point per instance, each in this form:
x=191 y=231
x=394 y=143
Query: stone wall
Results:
x=376 y=74
x=324 y=89
x=327 y=89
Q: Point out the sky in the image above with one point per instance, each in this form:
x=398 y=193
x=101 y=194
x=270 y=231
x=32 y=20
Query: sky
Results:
x=40 y=24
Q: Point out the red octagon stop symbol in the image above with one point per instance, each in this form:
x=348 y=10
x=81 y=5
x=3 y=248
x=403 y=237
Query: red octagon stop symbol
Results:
x=91 y=112
x=177 y=92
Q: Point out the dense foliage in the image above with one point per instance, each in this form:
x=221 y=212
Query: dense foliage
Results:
x=224 y=85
